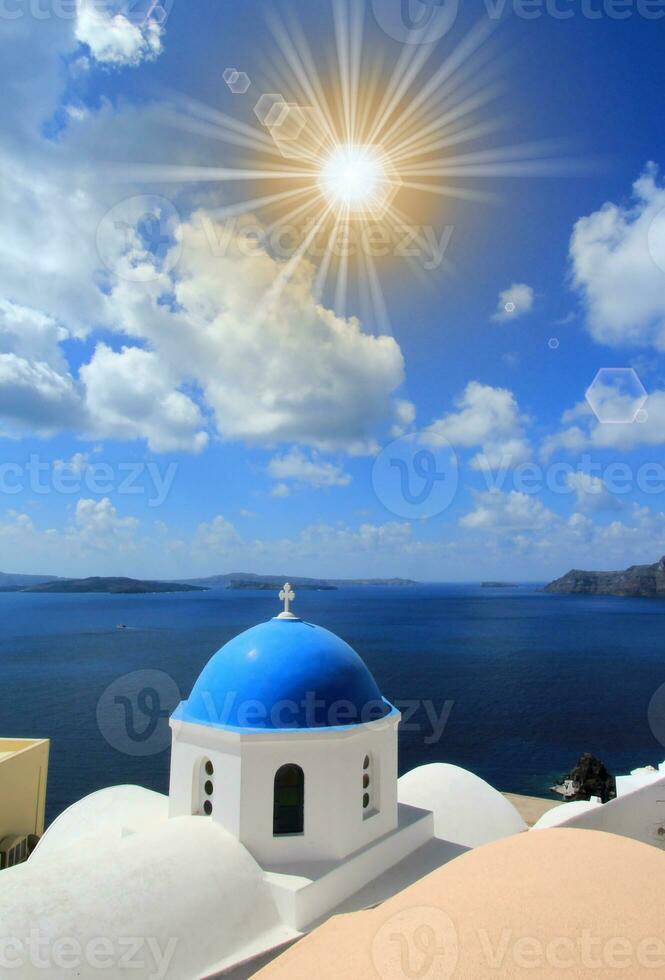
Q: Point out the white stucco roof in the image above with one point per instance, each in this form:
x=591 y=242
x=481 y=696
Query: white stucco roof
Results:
x=467 y=810
x=559 y=814
x=187 y=887
x=114 y=813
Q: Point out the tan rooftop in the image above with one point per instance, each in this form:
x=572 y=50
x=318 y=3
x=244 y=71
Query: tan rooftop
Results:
x=553 y=903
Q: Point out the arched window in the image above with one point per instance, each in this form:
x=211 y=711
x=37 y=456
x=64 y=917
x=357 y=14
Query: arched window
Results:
x=289 y=801
x=204 y=787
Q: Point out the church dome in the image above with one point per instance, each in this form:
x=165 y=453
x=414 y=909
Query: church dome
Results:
x=284 y=674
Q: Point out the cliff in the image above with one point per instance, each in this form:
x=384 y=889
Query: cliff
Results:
x=647 y=581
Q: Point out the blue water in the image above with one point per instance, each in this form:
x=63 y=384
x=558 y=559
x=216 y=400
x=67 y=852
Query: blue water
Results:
x=534 y=679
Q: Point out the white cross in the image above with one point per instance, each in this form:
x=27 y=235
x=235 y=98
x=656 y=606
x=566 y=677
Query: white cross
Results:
x=287 y=595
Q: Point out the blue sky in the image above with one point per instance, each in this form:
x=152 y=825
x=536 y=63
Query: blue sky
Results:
x=154 y=423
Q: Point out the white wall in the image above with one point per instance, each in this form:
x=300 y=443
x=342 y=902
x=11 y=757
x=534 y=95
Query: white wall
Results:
x=640 y=815
x=332 y=762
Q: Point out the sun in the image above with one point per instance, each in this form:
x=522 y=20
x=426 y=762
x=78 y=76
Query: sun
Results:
x=349 y=167
x=356 y=179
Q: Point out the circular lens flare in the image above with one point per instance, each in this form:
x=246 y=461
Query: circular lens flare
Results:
x=352 y=177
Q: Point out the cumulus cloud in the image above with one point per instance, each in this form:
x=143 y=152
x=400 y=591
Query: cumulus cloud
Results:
x=618 y=265
x=591 y=493
x=219 y=340
x=113 y=38
x=507 y=512
x=97 y=525
x=587 y=432
x=514 y=302
x=129 y=395
x=272 y=363
x=489 y=418
x=298 y=468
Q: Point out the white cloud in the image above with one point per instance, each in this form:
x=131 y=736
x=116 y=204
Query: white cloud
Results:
x=489 y=418
x=273 y=365
x=591 y=493
x=590 y=433
x=35 y=397
x=289 y=372
x=218 y=535
x=507 y=512
x=129 y=395
x=295 y=466
x=618 y=265
x=514 y=302
x=113 y=39
x=77 y=464
x=98 y=526
x=280 y=490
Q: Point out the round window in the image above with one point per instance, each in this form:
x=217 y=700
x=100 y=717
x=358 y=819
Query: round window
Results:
x=207 y=808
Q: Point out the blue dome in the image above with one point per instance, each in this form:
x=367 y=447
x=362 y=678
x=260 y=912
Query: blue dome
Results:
x=284 y=674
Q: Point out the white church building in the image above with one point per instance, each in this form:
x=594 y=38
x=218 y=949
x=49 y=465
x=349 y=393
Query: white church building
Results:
x=284 y=807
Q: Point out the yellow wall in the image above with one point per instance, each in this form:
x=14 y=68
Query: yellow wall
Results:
x=23 y=772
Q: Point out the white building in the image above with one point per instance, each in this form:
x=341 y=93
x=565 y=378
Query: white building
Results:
x=284 y=806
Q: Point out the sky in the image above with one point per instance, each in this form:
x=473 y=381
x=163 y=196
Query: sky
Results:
x=487 y=400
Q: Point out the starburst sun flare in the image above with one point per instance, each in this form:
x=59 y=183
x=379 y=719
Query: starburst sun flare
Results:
x=366 y=148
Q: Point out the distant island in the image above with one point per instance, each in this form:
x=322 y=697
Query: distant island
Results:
x=498 y=585
x=109 y=586
x=12 y=583
x=232 y=580
x=249 y=580
x=640 y=581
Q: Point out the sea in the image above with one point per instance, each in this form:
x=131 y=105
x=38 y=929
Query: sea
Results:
x=511 y=683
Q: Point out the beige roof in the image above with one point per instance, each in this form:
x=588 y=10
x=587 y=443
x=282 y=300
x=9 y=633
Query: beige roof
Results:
x=557 y=903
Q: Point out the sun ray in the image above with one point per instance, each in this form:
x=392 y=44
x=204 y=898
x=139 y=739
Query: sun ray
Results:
x=348 y=149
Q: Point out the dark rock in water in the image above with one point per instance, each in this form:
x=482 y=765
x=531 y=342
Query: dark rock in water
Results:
x=646 y=581
x=589 y=778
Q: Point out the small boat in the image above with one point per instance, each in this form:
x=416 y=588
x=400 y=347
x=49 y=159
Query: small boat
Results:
x=121 y=626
